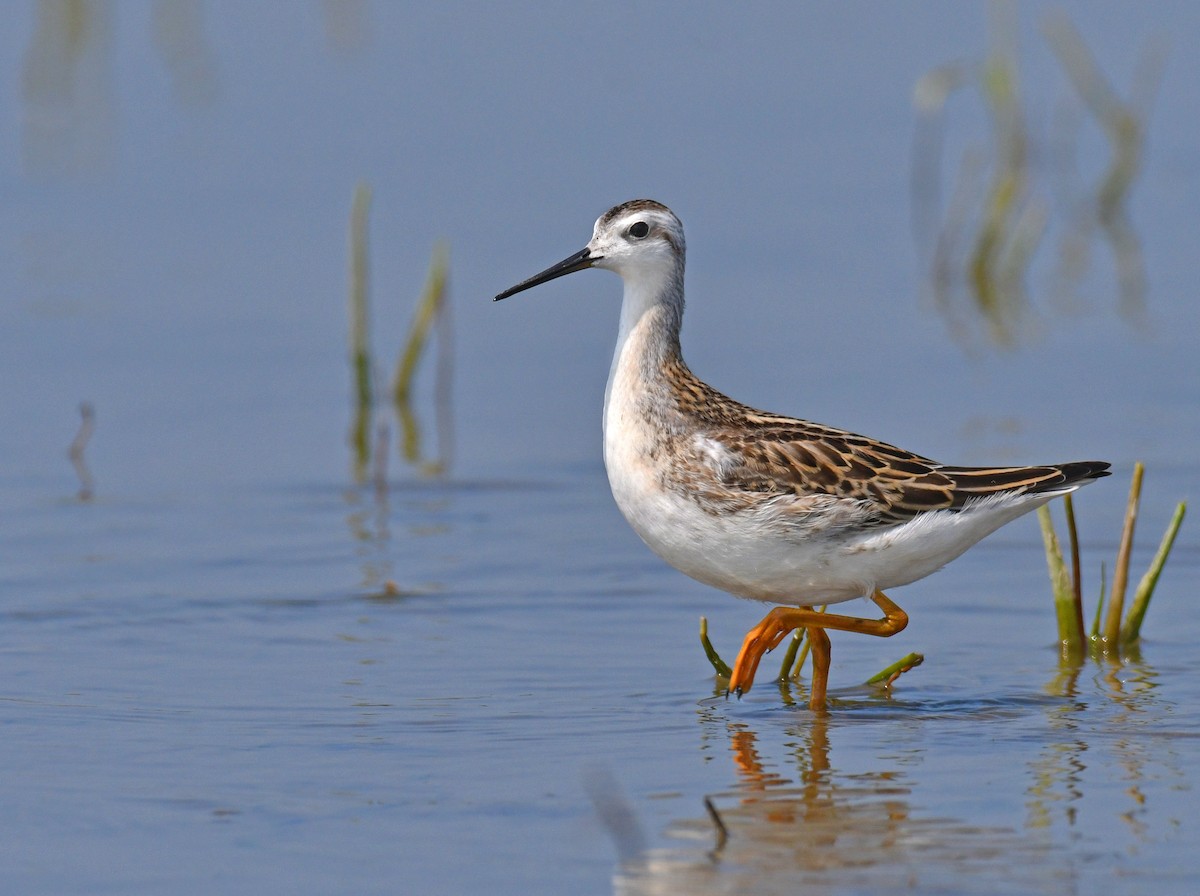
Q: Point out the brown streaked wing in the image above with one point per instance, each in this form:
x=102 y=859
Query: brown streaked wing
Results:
x=804 y=459
x=807 y=459
x=775 y=455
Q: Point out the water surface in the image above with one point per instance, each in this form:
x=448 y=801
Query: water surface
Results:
x=235 y=667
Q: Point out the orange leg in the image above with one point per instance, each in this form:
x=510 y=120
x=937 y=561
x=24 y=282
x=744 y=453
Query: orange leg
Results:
x=780 y=621
x=818 y=645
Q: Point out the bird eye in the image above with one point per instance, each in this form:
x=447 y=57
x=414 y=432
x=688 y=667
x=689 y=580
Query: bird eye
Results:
x=639 y=229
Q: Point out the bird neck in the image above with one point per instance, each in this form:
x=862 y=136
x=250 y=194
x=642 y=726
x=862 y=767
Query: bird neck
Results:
x=648 y=338
x=653 y=308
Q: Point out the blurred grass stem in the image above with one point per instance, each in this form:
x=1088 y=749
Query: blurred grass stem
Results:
x=87 y=425
x=431 y=310
x=360 y=330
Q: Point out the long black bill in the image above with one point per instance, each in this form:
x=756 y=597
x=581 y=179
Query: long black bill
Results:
x=577 y=262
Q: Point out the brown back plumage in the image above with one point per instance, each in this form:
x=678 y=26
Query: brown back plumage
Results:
x=772 y=455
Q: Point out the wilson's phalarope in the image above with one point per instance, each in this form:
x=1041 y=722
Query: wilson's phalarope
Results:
x=768 y=507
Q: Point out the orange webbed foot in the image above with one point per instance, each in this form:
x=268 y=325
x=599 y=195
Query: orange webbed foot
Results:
x=776 y=625
x=760 y=640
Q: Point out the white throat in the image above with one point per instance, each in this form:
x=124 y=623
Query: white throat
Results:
x=651 y=313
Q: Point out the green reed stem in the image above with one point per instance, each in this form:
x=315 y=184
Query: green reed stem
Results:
x=786 y=672
x=1116 y=602
x=1076 y=573
x=1070 y=635
x=1131 y=630
x=429 y=309
x=360 y=330
x=1100 y=603
x=886 y=676
x=709 y=651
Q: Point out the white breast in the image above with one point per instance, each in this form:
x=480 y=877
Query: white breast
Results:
x=750 y=554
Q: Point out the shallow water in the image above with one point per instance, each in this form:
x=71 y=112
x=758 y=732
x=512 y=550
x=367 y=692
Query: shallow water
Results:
x=235 y=667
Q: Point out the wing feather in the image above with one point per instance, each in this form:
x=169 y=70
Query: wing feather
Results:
x=767 y=456
x=896 y=485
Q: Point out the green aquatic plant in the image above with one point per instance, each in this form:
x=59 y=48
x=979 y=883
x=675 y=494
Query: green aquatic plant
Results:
x=887 y=675
x=429 y=306
x=360 y=331
x=431 y=313
x=718 y=664
x=981 y=246
x=1124 y=124
x=1113 y=631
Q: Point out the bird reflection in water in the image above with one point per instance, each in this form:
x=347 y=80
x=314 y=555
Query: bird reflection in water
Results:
x=777 y=832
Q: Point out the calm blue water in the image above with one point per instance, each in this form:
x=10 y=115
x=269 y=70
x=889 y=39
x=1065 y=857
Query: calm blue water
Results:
x=236 y=669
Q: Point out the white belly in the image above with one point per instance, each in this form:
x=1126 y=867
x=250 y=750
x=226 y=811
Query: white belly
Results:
x=734 y=552
x=756 y=554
